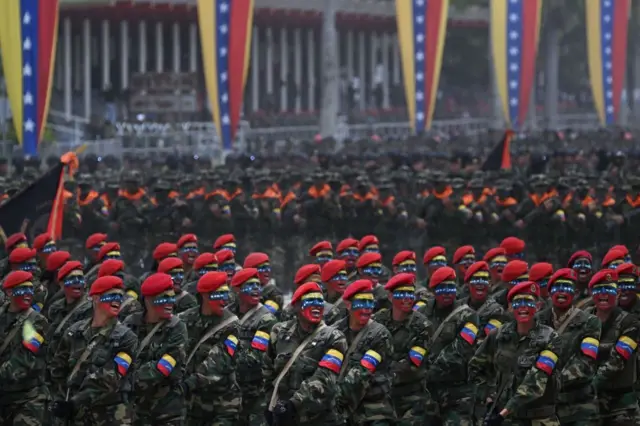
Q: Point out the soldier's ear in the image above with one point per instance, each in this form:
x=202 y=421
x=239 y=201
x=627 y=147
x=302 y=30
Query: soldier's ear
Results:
x=347 y=303
x=390 y=296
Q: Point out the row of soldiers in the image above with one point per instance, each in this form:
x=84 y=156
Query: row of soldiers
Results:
x=201 y=340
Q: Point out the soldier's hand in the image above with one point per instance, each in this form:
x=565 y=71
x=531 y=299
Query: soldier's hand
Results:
x=63 y=409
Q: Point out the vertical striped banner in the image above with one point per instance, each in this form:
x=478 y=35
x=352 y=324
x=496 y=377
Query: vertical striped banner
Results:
x=515 y=31
x=607 y=28
x=422 y=27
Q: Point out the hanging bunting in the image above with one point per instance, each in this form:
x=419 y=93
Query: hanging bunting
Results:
x=515 y=31
x=422 y=27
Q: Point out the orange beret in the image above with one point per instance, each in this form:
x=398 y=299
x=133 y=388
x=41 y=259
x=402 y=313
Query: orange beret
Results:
x=403 y=256
x=225 y=255
x=514 y=269
x=108 y=247
x=527 y=287
x=57 y=259
x=321 y=246
x=512 y=245
x=433 y=252
x=305 y=271
x=170 y=263
x=562 y=274
x=358 y=286
x=331 y=269
x=367 y=259
x=540 y=270
x=15 y=278
x=626 y=269
x=186 y=238
x=494 y=252
x=368 y=240
x=223 y=240
x=211 y=281
x=104 y=284
x=163 y=250
x=110 y=267
x=622 y=248
x=604 y=276
x=256 y=259
x=94 y=240
x=41 y=240
x=156 y=284
x=402 y=279
x=347 y=243
x=205 y=259
x=21 y=254
x=612 y=254
x=476 y=267
x=68 y=267
x=579 y=254
x=443 y=274
x=462 y=252
x=305 y=288
x=243 y=275
x=13 y=240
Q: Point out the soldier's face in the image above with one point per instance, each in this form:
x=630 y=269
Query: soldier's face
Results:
x=22 y=295
x=177 y=276
x=372 y=271
x=312 y=307
x=523 y=307
x=496 y=266
x=218 y=299
x=264 y=272
x=110 y=302
x=189 y=253
x=163 y=304
x=436 y=263
x=562 y=293
x=628 y=290
x=403 y=298
x=361 y=307
x=324 y=256
x=464 y=264
x=251 y=291
x=406 y=267
x=339 y=282
x=544 y=290
x=350 y=256
x=583 y=268
x=73 y=284
x=479 y=286
x=605 y=296
x=445 y=293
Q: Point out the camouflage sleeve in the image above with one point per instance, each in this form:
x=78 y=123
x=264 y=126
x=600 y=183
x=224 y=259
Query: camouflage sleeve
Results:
x=168 y=368
x=188 y=302
x=582 y=365
x=455 y=356
x=58 y=364
x=481 y=369
x=621 y=352
x=535 y=381
x=421 y=342
x=105 y=380
x=29 y=356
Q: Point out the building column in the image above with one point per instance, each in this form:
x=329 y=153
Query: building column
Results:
x=284 y=68
x=297 y=57
x=255 y=70
x=311 y=69
x=142 y=44
x=67 y=67
x=86 y=54
x=350 y=55
x=176 y=47
x=159 y=48
x=386 y=41
x=269 y=37
x=124 y=54
x=106 y=55
x=193 y=47
x=362 y=69
x=77 y=61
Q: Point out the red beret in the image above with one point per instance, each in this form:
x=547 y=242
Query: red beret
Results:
x=331 y=269
x=494 y=252
x=41 y=240
x=110 y=267
x=57 y=259
x=512 y=245
x=612 y=254
x=15 y=278
x=205 y=259
x=443 y=274
x=368 y=259
x=164 y=250
x=433 y=252
x=368 y=240
x=540 y=270
x=358 y=286
x=68 y=267
x=104 y=284
x=626 y=269
x=563 y=274
x=304 y=289
x=186 y=238
x=108 y=247
x=527 y=287
x=476 y=267
x=94 y=240
x=211 y=281
x=514 y=269
x=462 y=252
x=225 y=256
x=403 y=256
x=223 y=240
x=243 y=275
x=305 y=271
x=399 y=280
x=579 y=254
x=170 y=263
x=13 y=240
x=321 y=246
x=256 y=259
x=21 y=254
x=622 y=248
x=604 y=276
x=156 y=284
x=347 y=243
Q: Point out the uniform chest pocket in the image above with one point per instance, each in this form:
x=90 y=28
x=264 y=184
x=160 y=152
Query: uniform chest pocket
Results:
x=448 y=332
x=526 y=361
x=100 y=356
x=504 y=360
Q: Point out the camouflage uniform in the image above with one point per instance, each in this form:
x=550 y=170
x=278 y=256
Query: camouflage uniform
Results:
x=101 y=387
x=23 y=393
x=272 y=298
x=336 y=312
x=130 y=306
x=184 y=301
x=408 y=366
x=158 y=371
x=213 y=394
x=310 y=386
x=527 y=386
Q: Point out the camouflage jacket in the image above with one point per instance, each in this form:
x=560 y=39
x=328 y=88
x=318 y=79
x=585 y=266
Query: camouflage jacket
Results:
x=335 y=312
x=130 y=306
x=272 y=298
x=81 y=309
x=311 y=382
x=210 y=375
x=184 y=301
x=366 y=380
x=102 y=378
x=22 y=370
x=525 y=369
x=490 y=314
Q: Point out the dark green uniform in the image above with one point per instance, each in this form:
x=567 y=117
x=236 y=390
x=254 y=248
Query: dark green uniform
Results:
x=184 y=301
x=335 y=312
x=272 y=298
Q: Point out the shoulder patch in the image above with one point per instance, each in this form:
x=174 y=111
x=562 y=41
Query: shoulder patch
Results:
x=33 y=342
x=469 y=333
x=132 y=294
x=231 y=343
x=419 y=304
x=165 y=364
x=547 y=362
x=416 y=355
x=332 y=360
x=589 y=347
x=123 y=362
x=260 y=341
x=370 y=360
x=272 y=306
x=626 y=346
x=491 y=325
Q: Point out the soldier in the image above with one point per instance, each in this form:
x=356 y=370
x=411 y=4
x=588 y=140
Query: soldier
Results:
x=582 y=262
x=496 y=258
x=515 y=272
x=44 y=246
x=540 y=273
x=161 y=252
x=613 y=258
x=206 y=262
x=463 y=257
x=309 y=355
x=628 y=288
x=523 y=355
x=306 y=273
x=173 y=266
x=335 y=278
x=225 y=242
x=108 y=251
x=271 y=295
x=24 y=259
x=23 y=393
x=322 y=252
x=347 y=250
x=490 y=314
x=370 y=268
x=115 y=268
x=227 y=264
x=514 y=248
x=616 y=375
x=209 y=385
x=255 y=324
x=411 y=333
x=404 y=262
x=188 y=251
x=580 y=335
x=160 y=355
x=91 y=363
x=50 y=277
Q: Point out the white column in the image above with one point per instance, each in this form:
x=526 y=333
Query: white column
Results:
x=395 y=55
x=142 y=44
x=361 y=69
x=176 y=47
x=124 y=53
x=269 y=36
x=77 y=62
x=59 y=70
x=297 y=57
x=86 y=54
x=284 y=68
x=311 y=65
x=193 y=47
x=67 y=67
x=106 y=55
x=350 y=55
x=255 y=70
x=159 y=48
x=386 y=41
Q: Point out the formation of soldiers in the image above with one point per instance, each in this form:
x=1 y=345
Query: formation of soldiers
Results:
x=206 y=338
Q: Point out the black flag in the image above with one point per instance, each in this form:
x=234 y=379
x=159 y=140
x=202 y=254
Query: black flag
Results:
x=500 y=157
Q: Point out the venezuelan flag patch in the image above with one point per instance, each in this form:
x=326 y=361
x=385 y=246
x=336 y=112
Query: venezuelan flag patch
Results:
x=166 y=364
x=260 y=341
x=370 y=360
x=37 y=307
x=231 y=343
x=34 y=342
x=469 y=333
x=491 y=325
x=332 y=360
x=272 y=306
x=547 y=361
x=626 y=346
x=589 y=347
x=123 y=362
x=416 y=355
x=419 y=304
x=132 y=294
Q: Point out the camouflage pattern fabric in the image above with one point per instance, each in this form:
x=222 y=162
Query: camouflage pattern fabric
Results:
x=273 y=297
x=336 y=312
x=184 y=301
